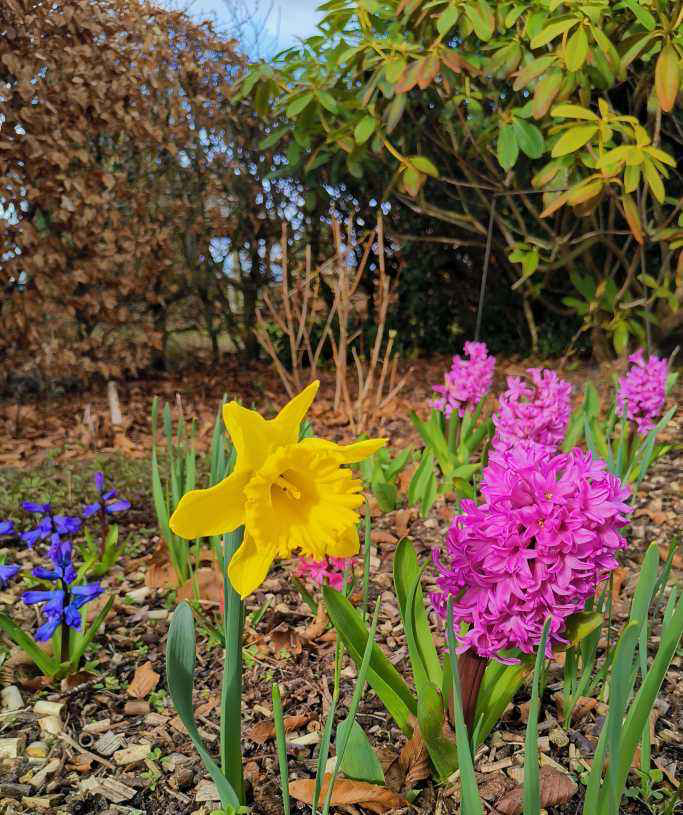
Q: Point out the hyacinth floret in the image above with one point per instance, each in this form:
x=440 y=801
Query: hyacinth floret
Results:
x=467 y=382
x=536 y=411
x=106 y=503
x=538 y=546
x=50 y=525
x=63 y=603
x=329 y=570
x=642 y=391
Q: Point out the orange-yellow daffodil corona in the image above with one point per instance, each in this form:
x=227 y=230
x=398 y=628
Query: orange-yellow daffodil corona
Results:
x=292 y=496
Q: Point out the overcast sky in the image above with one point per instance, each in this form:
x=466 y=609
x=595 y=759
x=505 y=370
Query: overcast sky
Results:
x=288 y=20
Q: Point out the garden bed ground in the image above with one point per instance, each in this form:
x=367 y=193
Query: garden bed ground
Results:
x=110 y=751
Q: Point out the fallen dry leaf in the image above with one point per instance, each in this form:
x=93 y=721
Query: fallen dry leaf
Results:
x=556 y=789
x=402 y=519
x=346 y=792
x=209 y=582
x=584 y=705
x=284 y=638
x=381 y=536
x=318 y=627
x=414 y=760
x=618 y=577
x=265 y=731
x=677 y=561
x=144 y=681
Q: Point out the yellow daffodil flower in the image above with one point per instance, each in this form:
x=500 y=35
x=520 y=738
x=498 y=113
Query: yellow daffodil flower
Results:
x=292 y=496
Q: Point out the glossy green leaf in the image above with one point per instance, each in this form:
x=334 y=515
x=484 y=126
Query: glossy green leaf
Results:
x=364 y=129
x=529 y=138
x=553 y=30
x=300 y=103
x=508 y=149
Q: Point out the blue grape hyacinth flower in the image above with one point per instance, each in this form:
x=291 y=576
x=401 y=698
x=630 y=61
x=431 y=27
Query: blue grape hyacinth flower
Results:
x=106 y=503
x=52 y=526
x=62 y=604
x=7 y=528
x=7 y=572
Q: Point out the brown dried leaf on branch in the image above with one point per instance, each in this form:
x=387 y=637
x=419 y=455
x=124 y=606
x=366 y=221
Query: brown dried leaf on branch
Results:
x=556 y=789
x=347 y=793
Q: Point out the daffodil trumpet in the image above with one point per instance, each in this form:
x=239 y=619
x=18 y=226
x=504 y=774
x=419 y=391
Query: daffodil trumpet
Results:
x=292 y=496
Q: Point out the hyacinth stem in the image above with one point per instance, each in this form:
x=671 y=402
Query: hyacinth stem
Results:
x=471 y=669
x=64 y=656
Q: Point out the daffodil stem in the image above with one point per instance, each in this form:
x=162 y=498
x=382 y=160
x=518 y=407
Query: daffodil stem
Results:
x=231 y=695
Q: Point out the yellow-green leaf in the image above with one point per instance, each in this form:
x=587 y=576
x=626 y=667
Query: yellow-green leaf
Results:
x=576 y=50
x=558 y=201
x=551 y=31
x=480 y=15
x=424 y=165
x=654 y=180
x=585 y=191
x=660 y=155
x=632 y=217
x=574 y=112
x=573 y=139
x=620 y=337
x=619 y=155
x=631 y=178
x=667 y=77
x=394 y=69
x=545 y=93
x=364 y=129
x=508 y=149
x=296 y=106
x=533 y=70
x=412 y=181
x=447 y=19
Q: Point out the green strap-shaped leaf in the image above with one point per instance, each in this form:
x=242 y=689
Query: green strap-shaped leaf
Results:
x=423 y=654
x=431 y=717
x=180 y=663
x=47 y=664
x=382 y=676
x=532 y=792
x=470 y=802
x=360 y=760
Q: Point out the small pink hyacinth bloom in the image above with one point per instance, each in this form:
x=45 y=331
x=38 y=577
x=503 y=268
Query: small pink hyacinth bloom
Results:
x=642 y=391
x=538 y=546
x=536 y=411
x=467 y=382
x=328 y=571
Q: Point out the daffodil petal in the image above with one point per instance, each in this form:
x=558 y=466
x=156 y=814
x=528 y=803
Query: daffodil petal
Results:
x=346 y=545
x=349 y=453
x=211 y=512
x=251 y=435
x=292 y=414
x=249 y=566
